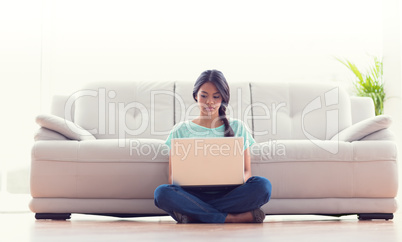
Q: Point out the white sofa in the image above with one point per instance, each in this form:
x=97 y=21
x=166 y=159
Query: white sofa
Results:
x=113 y=165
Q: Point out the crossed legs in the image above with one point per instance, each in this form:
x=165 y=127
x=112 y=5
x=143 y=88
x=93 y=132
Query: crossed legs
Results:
x=238 y=205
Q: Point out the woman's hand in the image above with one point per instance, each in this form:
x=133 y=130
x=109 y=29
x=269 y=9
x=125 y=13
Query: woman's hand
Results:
x=247 y=164
x=170 y=168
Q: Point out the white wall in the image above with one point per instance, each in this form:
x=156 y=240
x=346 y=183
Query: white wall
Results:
x=49 y=46
x=20 y=68
x=178 y=39
x=392 y=10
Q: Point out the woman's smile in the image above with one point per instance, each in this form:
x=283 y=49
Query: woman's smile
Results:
x=210 y=109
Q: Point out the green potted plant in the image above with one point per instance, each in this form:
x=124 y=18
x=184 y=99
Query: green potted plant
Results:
x=369 y=84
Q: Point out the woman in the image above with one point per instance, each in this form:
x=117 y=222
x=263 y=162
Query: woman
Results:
x=241 y=204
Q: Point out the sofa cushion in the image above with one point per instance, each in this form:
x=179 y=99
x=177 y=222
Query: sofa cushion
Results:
x=104 y=168
x=119 y=110
x=306 y=150
x=362 y=108
x=303 y=169
x=364 y=128
x=64 y=127
x=297 y=111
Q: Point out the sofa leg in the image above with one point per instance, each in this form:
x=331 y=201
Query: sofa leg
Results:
x=371 y=216
x=53 y=216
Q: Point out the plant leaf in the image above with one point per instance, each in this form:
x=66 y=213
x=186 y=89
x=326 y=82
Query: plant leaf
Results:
x=371 y=84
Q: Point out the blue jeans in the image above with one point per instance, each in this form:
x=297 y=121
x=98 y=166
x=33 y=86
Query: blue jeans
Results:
x=205 y=207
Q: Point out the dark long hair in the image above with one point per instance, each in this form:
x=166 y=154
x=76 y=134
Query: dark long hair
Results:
x=219 y=80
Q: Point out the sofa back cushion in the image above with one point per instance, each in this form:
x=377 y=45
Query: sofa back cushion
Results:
x=125 y=109
x=298 y=110
x=270 y=110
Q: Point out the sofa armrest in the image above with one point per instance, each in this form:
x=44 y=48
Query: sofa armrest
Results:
x=364 y=128
x=362 y=108
x=384 y=134
x=64 y=127
x=47 y=134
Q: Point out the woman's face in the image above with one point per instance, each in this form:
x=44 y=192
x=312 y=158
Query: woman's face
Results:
x=209 y=100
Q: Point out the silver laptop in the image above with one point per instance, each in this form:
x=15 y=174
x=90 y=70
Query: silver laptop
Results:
x=207 y=163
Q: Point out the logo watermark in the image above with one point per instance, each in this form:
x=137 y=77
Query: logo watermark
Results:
x=200 y=147
x=109 y=117
x=271 y=149
x=331 y=116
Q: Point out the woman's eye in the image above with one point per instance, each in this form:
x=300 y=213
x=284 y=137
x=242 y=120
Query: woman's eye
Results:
x=203 y=96
x=216 y=97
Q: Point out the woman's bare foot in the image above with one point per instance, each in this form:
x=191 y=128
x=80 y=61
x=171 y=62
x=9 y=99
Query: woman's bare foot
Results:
x=255 y=216
x=246 y=217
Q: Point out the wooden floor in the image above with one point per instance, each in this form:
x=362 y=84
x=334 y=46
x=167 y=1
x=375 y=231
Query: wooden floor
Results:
x=23 y=227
